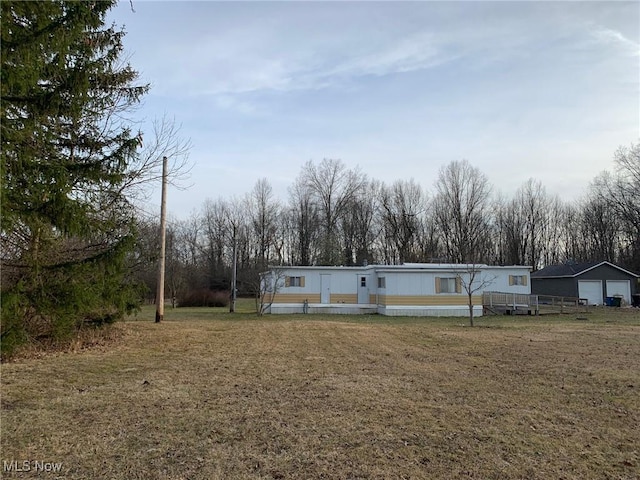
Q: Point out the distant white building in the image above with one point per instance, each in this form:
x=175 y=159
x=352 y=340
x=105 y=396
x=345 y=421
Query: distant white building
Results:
x=417 y=289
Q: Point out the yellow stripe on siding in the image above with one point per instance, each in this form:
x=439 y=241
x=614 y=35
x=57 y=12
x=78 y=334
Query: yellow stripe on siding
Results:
x=391 y=300
x=428 y=300
x=297 y=297
x=344 y=298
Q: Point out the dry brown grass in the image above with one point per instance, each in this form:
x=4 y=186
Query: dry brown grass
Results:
x=208 y=396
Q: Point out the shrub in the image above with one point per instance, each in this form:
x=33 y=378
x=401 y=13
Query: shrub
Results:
x=64 y=301
x=204 y=298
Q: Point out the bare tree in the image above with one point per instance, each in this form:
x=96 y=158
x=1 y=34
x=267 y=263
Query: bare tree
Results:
x=521 y=224
x=191 y=234
x=533 y=205
x=214 y=228
x=237 y=245
x=305 y=221
x=462 y=211
x=363 y=218
x=601 y=229
x=622 y=191
x=174 y=265
x=430 y=247
x=357 y=226
x=263 y=210
x=333 y=187
x=473 y=280
x=286 y=239
x=509 y=232
x=142 y=261
x=403 y=203
x=165 y=140
x=559 y=214
x=270 y=284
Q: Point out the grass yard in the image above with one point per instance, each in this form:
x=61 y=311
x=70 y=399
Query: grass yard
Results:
x=209 y=395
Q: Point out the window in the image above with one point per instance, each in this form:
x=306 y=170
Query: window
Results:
x=517 y=280
x=448 y=285
x=294 y=282
x=382 y=282
x=363 y=281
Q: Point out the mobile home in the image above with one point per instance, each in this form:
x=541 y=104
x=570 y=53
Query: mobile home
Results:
x=417 y=289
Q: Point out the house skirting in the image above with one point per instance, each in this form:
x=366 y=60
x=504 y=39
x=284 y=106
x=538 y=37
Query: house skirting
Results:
x=367 y=309
x=333 y=308
x=429 y=311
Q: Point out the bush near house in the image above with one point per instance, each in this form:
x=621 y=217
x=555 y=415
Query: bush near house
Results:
x=204 y=298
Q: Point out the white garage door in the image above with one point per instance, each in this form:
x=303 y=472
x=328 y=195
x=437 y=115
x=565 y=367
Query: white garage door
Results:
x=591 y=290
x=619 y=287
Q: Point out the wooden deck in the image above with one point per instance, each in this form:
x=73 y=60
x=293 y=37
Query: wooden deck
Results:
x=500 y=303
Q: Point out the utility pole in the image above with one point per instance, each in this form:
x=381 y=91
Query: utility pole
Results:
x=232 y=305
x=163 y=236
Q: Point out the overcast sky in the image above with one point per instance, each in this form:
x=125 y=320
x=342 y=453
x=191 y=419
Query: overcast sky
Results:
x=547 y=90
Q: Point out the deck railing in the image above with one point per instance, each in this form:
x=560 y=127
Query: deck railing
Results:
x=555 y=303
x=512 y=302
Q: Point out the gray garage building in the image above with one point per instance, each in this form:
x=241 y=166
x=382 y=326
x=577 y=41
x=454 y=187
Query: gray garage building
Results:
x=594 y=281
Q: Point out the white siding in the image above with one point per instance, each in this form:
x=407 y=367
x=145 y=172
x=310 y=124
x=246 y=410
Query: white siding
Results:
x=500 y=277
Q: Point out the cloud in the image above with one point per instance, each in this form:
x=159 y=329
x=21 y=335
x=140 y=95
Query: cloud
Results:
x=614 y=37
x=317 y=68
x=414 y=52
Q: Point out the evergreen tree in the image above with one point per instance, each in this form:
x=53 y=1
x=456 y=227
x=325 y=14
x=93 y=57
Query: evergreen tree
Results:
x=66 y=147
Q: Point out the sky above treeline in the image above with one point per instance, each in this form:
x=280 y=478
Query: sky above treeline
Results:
x=544 y=90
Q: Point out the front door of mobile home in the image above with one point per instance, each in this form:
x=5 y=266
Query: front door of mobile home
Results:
x=363 y=288
x=325 y=288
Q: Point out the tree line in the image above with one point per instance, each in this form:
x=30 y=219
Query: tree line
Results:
x=336 y=215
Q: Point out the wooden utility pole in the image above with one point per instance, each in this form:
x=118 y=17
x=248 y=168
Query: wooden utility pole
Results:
x=234 y=275
x=163 y=236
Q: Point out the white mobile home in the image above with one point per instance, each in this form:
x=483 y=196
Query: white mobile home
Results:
x=418 y=289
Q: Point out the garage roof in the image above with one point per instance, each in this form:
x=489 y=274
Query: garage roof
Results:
x=574 y=269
